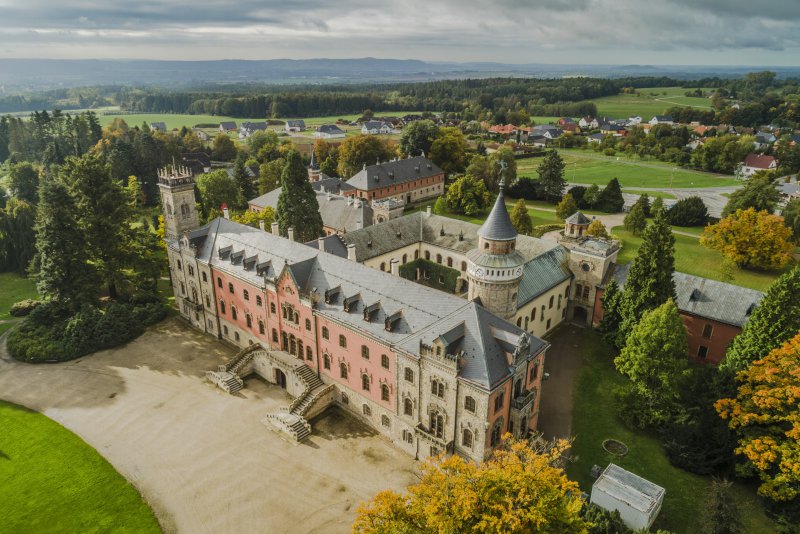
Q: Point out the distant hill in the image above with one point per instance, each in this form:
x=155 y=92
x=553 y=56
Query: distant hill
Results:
x=38 y=74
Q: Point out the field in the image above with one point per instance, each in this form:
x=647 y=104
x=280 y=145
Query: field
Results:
x=51 y=481
x=693 y=258
x=594 y=420
x=588 y=167
x=650 y=101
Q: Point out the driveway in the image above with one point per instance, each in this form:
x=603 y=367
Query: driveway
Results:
x=562 y=364
x=201 y=458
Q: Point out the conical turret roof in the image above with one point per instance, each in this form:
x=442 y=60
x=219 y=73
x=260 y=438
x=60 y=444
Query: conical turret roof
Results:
x=497 y=226
x=313 y=166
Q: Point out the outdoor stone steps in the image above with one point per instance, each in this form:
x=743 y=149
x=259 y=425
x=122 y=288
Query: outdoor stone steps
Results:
x=293 y=425
x=308 y=376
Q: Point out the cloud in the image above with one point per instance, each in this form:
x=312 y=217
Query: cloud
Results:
x=522 y=31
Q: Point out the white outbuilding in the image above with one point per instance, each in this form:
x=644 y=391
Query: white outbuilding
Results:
x=637 y=500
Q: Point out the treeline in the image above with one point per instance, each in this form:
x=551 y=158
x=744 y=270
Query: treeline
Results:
x=48 y=138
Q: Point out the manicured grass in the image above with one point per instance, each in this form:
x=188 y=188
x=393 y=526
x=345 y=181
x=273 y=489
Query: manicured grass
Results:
x=595 y=420
x=52 y=481
x=589 y=167
x=650 y=101
x=14 y=288
x=651 y=194
x=693 y=258
x=6 y=326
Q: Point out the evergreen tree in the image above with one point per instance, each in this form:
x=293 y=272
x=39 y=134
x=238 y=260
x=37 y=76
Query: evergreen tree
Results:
x=612 y=314
x=721 y=516
x=65 y=272
x=297 y=203
x=590 y=196
x=644 y=201
x=775 y=320
x=566 y=207
x=610 y=198
x=521 y=219
x=23 y=181
x=658 y=205
x=690 y=211
x=551 y=176
x=649 y=283
x=635 y=221
x=791 y=217
x=247 y=190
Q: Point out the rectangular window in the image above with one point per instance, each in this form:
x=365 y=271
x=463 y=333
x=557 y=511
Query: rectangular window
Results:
x=384 y=361
x=409 y=375
x=498 y=402
x=342 y=341
x=205 y=278
x=707 y=330
x=702 y=352
x=365 y=352
x=325 y=334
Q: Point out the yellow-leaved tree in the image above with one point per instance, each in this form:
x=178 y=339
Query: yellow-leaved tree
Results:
x=751 y=238
x=766 y=418
x=520 y=488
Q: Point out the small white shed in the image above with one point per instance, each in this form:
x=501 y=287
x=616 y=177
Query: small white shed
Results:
x=637 y=500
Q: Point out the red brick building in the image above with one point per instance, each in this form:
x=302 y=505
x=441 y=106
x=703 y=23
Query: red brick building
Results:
x=409 y=180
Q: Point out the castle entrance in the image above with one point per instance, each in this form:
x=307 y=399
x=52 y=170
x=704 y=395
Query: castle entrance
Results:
x=580 y=315
x=280 y=378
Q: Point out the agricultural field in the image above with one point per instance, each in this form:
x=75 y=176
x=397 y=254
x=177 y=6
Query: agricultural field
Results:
x=648 y=102
x=588 y=167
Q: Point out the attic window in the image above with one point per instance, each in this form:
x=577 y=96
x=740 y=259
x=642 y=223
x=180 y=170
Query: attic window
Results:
x=391 y=321
x=369 y=310
x=376 y=178
x=696 y=294
x=224 y=251
x=399 y=234
x=351 y=301
x=263 y=267
x=330 y=294
x=369 y=243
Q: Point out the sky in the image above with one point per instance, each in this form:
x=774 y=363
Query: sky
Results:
x=656 y=32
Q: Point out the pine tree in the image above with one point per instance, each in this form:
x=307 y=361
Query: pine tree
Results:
x=644 y=201
x=775 y=320
x=649 y=283
x=551 y=176
x=610 y=198
x=247 y=190
x=521 y=219
x=297 y=203
x=612 y=314
x=566 y=207
x=721 y=516
x=635 y=221
x=658 y=205
x=65 y=274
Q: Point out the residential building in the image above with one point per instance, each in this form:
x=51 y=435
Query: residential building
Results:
x=249 y=128
x=409 y=180
x=329 y=131
x=661 y=119
x=227 y=126
x=758 y=162
x=378 y=127
x=158 y=127
x=295 y=125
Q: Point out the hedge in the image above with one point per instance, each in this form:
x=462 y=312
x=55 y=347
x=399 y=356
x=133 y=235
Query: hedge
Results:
x=433 y=274
x=24 y=307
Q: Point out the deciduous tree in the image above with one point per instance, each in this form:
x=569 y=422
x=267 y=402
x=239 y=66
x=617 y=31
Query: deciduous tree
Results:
x=217 y=188
x=597 y=229
x=566 y=207
x=360 y=150
x=751 y=238
x=23 y=180
x=759 y=192
x=765 y=416
x=418 y=137
x=223 y=148
x=467 y=195
x=521 y=219
x=449 y=151
x=791 y=218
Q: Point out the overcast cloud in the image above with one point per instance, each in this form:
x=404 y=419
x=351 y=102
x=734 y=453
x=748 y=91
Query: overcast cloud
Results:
x=733 y=32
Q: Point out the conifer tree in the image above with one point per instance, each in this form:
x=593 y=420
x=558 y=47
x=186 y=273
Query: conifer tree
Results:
x=243 y=181
x=521 y=219
x=657 y=205
x=775 y=320
x=65 y=274
x=297 y=204
x=610 y=198
x=612 y=313
x=721 y=516
x=566 y=207
x=644 y=202
x=635 y=221
x=551 y=176
x=649 y=283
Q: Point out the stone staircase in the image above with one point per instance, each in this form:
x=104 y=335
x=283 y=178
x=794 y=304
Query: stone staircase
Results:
x=227 y=376
x=294 y=426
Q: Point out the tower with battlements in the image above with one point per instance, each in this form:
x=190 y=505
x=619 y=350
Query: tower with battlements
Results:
x=176 y=185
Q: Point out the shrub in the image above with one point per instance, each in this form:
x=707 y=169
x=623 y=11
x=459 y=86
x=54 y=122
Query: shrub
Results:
x=539 y=231
x=689 y=211
x=24 y=307
x=526 y=188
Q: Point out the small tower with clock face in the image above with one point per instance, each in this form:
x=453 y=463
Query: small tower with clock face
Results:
x=494 y=269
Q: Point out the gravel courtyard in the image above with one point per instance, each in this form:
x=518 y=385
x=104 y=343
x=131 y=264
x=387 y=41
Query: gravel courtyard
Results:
x=201 y=458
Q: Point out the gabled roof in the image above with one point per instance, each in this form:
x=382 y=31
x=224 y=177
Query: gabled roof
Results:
x=228 y=125
x=578 y=218
x=330 y=129
x=394 y=172
x=296 y=123
x=663 y=118
x=261 y=126
x=759 y=161
x=498 y=226
x=200 y=157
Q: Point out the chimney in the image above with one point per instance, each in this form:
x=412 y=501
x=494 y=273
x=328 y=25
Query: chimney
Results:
x=290 y=233
x=428 y=211
x=351 y=252
x=275 y=230
x=395 y=266
x=359 y=224
x=262 y=225
x=321 y=243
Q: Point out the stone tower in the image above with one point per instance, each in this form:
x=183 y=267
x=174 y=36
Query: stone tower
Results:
x=313 y=168
x=494 y=269
x=177 y=199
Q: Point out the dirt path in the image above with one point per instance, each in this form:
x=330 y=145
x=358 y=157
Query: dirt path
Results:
x=201 y=458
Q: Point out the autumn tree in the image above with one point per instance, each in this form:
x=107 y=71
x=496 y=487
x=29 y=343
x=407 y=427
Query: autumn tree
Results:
x=360 y=150
x=751 y=239
x=255 y=218
x=223 y=148
x=566 y=207
x=551 y=176
x=654 y=359
x=774 y=321
x=467 y=195
x=791 y=218
x=519 y=489
x=635 y=221
x=765 y=417
x=759 y=192
x=521 y=219
x=297 y=204
x=597 y=229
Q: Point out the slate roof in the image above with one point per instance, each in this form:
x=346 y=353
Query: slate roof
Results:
x=330 y=129
x=497 y=225
x=200 y=157
x=333 y=245
x=296 y=123
x=663 y=118
x=426 y=313
x=342 y=213
x=373 y=125
x=393 y=172
x=325 y=184
x=160 y=126
x=228 y=125
x=718 y=301
x=542 y=273
x=578 y=218
x=254 y=126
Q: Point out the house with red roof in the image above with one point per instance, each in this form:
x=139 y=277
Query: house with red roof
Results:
x=758 y=162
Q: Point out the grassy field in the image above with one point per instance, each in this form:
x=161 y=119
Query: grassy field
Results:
x=14 y=288
x=588 y=167
x=651 y=194
x=594 y=420
x=52 y=481
x=650 y=101
x=693 y=258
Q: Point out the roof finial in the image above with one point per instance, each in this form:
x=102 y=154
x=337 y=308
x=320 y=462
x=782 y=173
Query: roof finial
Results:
x=503 y=167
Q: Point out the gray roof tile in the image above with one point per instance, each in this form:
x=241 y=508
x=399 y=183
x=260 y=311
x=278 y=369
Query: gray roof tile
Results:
x=393 y=173
x=498 y=225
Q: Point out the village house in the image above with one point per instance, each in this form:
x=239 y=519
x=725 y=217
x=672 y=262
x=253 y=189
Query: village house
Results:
x=378 y=127
x=197 y=162
x=587 y=123
x=158 y=127
x=409 y=180
x=295 y=125
x=329 y=131
x=757 y=162
x=227 y=126
x=203 y=136
x=249 y=128
x=661 y=119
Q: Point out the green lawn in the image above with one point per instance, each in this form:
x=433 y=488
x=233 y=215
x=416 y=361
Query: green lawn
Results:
x=52 y=481
x=693 y=258
x=650 y=101
x=651 y=194
x=589 y=167
x=594 y=420
x=14 y=288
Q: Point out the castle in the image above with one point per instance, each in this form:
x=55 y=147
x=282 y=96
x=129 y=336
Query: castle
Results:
x=429 y=370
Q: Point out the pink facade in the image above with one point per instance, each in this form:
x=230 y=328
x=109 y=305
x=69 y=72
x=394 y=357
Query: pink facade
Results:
x=239 y=298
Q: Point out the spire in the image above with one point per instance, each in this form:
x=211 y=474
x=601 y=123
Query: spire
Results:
x=498 y=226
x=313 y=166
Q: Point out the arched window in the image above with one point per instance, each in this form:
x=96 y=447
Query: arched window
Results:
x=308 y=324
x=233 y=312
x=230 y=287
x=494 y=439
x=259 y=302
x=272 y=307
x=326 y=361
x=385 y=421
x=416 y=254
x=366 y=409
x=260 y=326
x=365 y=382
x=384 y=361
x=342 y=341
x=466 y=439
x=519 y=321
x=437 y=424
x=449 y=261
x=246 y=295
x=296 y=318
x=274 y=336
x=405 y=258
x=559 y=302
x=343 y=370
x=469 y=404
x=566 y=293
x=222 y=306
x=463 y=266
x=541 y=316
x=184 y=211
x=408 y=407
x=486 y=246
x=345 y=399
x=325 y=333
x=205 y=278
x=518 y=387
x=533 y=314
x=437 y=388
x=384 y=392
x=249 y=320
x=551 y=302
x=427 y=255
x=438 y=258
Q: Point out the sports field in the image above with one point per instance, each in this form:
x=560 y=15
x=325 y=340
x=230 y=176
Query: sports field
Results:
x=648 y=102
